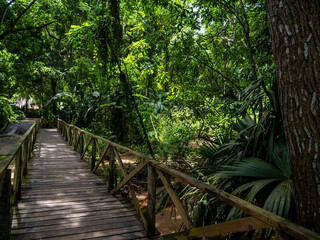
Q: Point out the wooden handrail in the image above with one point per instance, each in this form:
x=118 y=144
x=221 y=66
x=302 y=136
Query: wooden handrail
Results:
x=19 y=155
x=260 y=218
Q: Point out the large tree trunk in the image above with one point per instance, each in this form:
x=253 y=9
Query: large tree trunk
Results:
x=295 y=31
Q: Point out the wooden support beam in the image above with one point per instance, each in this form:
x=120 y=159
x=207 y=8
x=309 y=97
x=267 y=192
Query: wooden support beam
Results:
x=17 y=176
x=101 y=158
x=111 y=171
x=151 y=224
x=70 y=136
x=81 y=142
x=130 y=176
x=239 y=225
x=281 y=224
x=98 y=146
x=174 y=196
x=86 y=148
x=75 y=139
x=263 y=215
x=93 y=155
x=5 y=215
x=30 y=143
x=133 y=194
x=25 y=154
x=66 y=132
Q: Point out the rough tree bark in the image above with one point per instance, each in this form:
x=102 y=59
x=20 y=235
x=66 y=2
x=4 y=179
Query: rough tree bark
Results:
x=295 y=32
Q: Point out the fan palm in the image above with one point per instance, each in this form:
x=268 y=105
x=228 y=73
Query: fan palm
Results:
x=269 y=183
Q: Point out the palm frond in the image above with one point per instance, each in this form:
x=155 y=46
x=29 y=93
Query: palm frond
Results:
x=253 y=167
x=281 y=158
x=256 y=186
x=279 y=200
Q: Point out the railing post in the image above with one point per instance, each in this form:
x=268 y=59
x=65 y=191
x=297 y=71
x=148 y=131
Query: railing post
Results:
x=93 y=156
x=5 y=194
x=75 y=138
x=111 y=170
x=151 y=201
x=70 y=136
x=66 y=132
x=18 y=175
x=81 y=143
x=25 y=156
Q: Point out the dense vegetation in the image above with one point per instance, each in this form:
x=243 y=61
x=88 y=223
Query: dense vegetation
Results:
x=164 y=77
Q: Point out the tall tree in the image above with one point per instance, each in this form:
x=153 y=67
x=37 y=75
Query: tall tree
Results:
x=295 y=32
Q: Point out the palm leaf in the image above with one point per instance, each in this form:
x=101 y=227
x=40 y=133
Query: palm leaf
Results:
x=255 y=186
x=253 y=167
x=281 y=158
x=279 y=200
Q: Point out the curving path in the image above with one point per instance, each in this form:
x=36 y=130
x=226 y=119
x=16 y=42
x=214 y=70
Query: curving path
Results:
x=62 y=199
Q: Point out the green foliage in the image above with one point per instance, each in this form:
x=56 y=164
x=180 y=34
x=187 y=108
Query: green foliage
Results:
x=5 y=112
x=192 y=70
x=275 y=181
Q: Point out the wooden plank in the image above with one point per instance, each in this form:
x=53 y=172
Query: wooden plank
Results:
x=132 y=192
x=111 y=233
x=125 y=236
x=60 y=218
x=68 y=203
x=83 y=204
x=113 y=228
x=174 y=196
x=73 y=195
x=84 y=222
x=130 y=176
x=69 y=214
x=239 y=225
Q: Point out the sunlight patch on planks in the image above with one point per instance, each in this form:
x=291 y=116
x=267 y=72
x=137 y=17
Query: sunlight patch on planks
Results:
x=61 y=199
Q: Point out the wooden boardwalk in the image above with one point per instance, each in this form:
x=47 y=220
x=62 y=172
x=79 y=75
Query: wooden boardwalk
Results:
x=62 y=199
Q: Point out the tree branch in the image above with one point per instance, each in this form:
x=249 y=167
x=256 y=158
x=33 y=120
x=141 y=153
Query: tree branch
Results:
x=50 y=35
x=5 y=12
x=212 y=68
x=2 y=36
x=14 y=23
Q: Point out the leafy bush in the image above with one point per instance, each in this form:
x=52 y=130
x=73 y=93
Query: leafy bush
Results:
x=5 y=112
x=18 y=114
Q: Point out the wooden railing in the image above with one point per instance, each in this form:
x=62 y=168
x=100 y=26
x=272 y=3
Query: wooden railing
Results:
x=110 y=152
x=10 y=181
